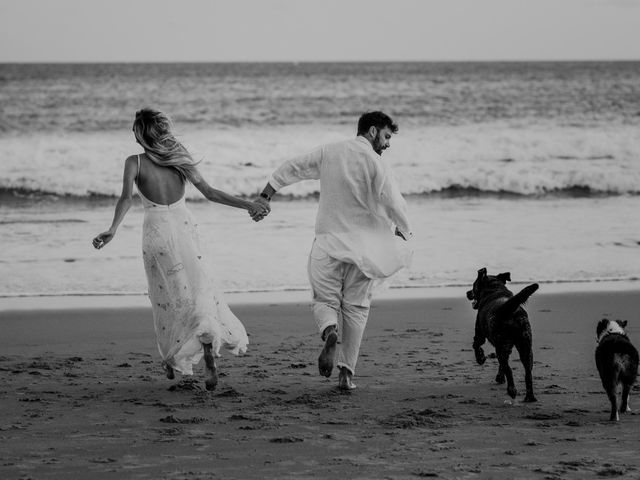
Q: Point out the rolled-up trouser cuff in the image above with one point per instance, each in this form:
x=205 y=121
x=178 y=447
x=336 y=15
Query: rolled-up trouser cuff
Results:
x=341 y=365
x=325 y=316
x=354 y=320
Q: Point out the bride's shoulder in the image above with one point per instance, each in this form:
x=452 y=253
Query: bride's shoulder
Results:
x=131 y=160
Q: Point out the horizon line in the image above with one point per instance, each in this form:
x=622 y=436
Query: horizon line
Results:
x=567 y=60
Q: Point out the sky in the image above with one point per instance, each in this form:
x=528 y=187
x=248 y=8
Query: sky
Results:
x=311 y=30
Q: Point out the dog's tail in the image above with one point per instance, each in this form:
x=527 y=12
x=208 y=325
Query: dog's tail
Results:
x=511 y=305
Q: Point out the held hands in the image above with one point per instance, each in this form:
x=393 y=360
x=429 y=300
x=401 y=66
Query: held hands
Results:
x=259 y=209
x=102 y=239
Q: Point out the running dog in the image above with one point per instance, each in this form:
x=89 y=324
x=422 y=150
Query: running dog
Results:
x=617 y=362
x=502 y=320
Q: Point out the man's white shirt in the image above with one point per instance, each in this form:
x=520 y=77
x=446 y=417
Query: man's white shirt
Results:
x=360 y=205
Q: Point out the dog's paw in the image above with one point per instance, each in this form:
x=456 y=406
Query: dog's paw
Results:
x=480 y=357
x=512 y=392
x=529 y=397
x=211 y=383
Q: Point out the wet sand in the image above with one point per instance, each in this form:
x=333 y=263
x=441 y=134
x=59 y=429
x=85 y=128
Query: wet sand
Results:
x=83 y=396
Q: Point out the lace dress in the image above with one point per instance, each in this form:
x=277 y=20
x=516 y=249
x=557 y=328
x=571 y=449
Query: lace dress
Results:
x=187 y=308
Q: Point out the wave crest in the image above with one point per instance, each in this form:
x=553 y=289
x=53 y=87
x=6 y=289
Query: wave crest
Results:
x=447 y=161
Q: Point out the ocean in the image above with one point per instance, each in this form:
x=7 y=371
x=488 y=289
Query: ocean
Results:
x=532 y=168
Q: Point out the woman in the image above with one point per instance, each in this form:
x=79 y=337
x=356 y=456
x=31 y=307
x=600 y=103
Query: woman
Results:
x=190 y=318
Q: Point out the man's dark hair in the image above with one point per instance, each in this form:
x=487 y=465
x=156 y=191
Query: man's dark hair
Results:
x=375 y=119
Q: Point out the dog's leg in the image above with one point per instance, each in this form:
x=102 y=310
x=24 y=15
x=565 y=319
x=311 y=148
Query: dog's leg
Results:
x=503 y=360
x=613 y=398
x=478 y=341
x=526 y=357
x=500 y=376
x=211 y=382
x=624 y=406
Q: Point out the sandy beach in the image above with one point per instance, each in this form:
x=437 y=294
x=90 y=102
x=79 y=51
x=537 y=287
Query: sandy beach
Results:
x=83 y=396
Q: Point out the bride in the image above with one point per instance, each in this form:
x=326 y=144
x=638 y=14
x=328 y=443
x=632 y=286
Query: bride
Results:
x=190 y=317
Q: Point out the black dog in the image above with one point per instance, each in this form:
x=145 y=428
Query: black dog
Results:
x=617 y=362
x=502 y=320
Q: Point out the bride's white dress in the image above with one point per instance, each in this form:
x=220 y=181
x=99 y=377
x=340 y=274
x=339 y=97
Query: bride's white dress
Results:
x=187 y=308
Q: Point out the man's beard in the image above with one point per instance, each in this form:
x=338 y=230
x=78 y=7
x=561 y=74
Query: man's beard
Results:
x=378 y=146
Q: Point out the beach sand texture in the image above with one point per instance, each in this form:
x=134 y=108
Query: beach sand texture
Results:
x=83 y=396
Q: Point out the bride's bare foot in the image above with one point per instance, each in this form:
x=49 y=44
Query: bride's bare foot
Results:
x=345 y=379
x=325 y=360
x=169 y=371
x=211 y=382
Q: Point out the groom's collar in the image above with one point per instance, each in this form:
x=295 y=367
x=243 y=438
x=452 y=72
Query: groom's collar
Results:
x=364 y=141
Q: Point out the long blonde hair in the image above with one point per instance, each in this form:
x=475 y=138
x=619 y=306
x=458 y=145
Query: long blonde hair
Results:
x=154 y=132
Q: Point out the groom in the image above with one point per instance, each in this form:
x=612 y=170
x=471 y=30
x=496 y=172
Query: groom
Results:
x=355 y=248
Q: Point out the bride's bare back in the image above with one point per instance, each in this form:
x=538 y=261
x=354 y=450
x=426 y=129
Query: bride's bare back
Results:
x=161 y=185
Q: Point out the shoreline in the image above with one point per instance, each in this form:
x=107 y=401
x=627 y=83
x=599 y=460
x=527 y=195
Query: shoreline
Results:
x=272 y=255
x=74 y=301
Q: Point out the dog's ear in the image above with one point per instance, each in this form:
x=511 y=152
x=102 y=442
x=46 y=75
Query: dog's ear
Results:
x=622 y=323
x=504 y=277
x=602 y=324
x=482 y=272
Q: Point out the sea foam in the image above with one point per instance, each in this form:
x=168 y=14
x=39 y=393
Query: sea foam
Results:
x=474 y=159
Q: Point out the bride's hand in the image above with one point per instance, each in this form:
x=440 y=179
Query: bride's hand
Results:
x=258 y=211
x=102 y=239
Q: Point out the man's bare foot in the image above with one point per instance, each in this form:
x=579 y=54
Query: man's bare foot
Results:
x=211 y=382
x=169 y=371
x=325 y=360
x=344 y=379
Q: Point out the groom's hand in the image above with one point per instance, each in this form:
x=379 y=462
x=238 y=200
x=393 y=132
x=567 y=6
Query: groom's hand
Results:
x=261 y=203
x=264 y=202
x=259 y=210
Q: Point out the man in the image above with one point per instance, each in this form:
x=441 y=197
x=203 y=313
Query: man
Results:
x=354 y=247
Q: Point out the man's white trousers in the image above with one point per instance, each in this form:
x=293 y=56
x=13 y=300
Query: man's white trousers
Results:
x=341 y=297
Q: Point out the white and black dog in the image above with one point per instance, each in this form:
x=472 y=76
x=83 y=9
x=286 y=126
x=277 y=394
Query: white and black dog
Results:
x=617 y=362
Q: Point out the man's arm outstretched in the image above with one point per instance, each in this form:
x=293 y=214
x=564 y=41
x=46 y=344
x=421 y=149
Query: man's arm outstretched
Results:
x=304 y=167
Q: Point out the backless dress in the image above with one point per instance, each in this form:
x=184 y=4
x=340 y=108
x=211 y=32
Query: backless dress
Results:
x=187 y=308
